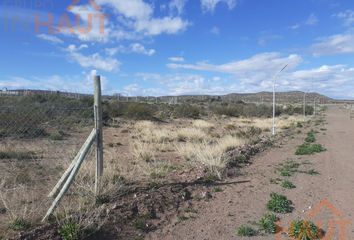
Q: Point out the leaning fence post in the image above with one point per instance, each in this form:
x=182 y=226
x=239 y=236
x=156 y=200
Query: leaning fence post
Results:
x=82 y=155
x=99 y=133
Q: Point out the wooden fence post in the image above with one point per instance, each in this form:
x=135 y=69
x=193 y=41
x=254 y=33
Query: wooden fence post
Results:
x=99 y=133
x=82 y=155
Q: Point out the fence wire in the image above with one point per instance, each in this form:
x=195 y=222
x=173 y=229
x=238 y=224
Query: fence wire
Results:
x=39 y=137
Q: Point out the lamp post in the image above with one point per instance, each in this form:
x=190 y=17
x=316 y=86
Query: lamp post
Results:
x=304 y=104
x=274 y=82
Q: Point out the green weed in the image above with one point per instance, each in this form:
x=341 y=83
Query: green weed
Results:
x=279 y=204
x=267 y=223
x=308 y=149
x=287 y=184
x=246 y=231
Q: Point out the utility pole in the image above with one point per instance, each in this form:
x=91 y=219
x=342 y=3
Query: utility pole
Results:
x=274 y=82
x=304 y=104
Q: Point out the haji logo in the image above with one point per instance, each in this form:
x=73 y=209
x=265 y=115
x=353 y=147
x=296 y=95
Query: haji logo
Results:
x=334 y=225
x=66 y=25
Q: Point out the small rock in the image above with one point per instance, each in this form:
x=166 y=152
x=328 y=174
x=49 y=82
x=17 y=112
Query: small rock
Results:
x=2 y=210
x=186 y=195
x=206 y=195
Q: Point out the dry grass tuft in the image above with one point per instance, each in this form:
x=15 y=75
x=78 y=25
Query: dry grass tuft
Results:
x=202 y=124
x=191 y=135
x=229 y=142
x=143 y=151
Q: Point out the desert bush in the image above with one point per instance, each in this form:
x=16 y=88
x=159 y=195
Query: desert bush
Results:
x=20 y=224
x=246 y=231
x=187 y=111
x=279 y=204
x=191 y=135
x=209 y=155
x=288 y=168
x=202 y=124
x=229 y=143
x=69 y=231
x=304 y=230
x=287 y=184
x=140 y=111
x=267 y=223
x=310 y=137
x=307 y=149
x=249 y=132
x=19 y=155
x=57 y=135
x=143 y=151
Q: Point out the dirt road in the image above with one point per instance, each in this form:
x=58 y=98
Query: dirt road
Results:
x=326 y=198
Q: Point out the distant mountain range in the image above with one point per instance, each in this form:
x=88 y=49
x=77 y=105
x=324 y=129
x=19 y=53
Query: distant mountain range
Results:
x=261 y=97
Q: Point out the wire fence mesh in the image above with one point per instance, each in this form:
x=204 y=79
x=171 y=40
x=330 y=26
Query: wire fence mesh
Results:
x=39 y=137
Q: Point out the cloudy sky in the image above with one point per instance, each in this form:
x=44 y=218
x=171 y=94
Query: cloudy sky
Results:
x=173 y=47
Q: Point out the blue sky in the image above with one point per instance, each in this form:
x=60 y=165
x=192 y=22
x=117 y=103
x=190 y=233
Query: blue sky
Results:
x=175 y=47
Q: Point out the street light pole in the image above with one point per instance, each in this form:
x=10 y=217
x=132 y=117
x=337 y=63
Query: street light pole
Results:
x=274 y=82
x=304 y=104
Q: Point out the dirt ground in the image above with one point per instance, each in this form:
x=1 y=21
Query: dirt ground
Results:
x=326 y=198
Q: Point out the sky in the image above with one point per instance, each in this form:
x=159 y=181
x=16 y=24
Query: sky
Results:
x=178 y=47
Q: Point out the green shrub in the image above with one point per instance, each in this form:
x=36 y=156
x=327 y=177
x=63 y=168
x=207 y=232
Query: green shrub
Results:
x=288 y=168
x=140 y=111
x=20 y=224
x=310 y=137
x=57 y=136
x=279 y=204
x=287 y=184
x=267 y=223
x=69 y=231
x=187 y=111
x=307 y=149
x=246 y=231
x=20 y=155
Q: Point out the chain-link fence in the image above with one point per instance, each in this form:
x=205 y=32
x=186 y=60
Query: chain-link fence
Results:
x=39 y=137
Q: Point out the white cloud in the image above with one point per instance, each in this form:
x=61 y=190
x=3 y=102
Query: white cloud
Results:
x=177 y=5
x=176 y=59
x=138 y=15
x=347 y=16
x=73 y=83
x=113 y=51
x=136 y=9
x=132 y=48
x=138 y=48
x=267 y=38
x=264 y=64
x=335 y=81
x=210 y=5
x=95 y=60
x=312 y=20
x=50 y=38
x=295 y=26
x=335 y=44
x=157 y=26
x=215 y=30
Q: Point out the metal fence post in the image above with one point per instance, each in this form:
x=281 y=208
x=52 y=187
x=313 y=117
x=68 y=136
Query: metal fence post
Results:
x=99 y=133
